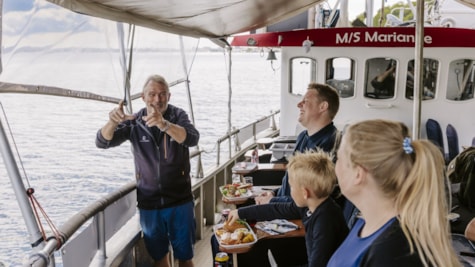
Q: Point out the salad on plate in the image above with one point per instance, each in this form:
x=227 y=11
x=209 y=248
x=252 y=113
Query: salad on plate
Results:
x=236 y=191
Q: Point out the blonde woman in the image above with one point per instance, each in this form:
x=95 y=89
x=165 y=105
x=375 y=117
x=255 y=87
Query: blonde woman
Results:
x=398 y=185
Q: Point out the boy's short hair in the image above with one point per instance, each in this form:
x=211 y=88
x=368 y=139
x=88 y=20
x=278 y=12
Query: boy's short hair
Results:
x=314 y=170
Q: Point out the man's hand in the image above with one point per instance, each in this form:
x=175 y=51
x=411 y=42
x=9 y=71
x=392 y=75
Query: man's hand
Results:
x=154 y=117
x=232 y=217
x=117 y=115
x=264 y=198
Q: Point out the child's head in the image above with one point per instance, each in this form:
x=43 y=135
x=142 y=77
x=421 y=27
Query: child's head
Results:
x=311 y=173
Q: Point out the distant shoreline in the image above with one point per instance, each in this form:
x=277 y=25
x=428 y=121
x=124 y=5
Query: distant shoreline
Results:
x=206 y=49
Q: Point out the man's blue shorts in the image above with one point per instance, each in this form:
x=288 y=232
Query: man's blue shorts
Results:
x=175 y=226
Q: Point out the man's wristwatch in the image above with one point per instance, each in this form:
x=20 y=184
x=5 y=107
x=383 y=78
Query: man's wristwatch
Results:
x=167 y=126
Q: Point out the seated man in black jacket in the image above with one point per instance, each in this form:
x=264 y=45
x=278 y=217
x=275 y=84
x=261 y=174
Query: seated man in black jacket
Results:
x=318 y=108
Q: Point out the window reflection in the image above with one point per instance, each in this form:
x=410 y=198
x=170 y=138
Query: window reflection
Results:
x=460 y=81
x=302 y=71
x=380 y=78
x=429 y=79
x=340 y=75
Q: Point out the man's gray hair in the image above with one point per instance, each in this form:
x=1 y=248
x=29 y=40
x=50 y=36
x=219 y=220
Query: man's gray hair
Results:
x=158 y=79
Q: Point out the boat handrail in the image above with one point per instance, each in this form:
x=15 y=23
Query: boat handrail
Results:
x=253 y=136
x=195 y=153
x=94 y=210
x=75 y=222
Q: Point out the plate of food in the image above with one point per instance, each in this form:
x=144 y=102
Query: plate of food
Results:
x=237 y=235
x=236 y=191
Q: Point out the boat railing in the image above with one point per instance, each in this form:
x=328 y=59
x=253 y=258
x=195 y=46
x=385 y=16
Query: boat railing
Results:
x=119 y=209
x=250 y=133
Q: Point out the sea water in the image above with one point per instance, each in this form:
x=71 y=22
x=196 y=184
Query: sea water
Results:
x=55 y=137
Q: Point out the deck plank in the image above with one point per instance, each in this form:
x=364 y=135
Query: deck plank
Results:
x=203 y=255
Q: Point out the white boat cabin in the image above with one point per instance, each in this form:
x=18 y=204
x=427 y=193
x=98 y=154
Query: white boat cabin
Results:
x=350 y=58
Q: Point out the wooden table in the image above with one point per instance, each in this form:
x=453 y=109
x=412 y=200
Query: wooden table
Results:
x=263 y=174
x=249 y=167
x=261 y=235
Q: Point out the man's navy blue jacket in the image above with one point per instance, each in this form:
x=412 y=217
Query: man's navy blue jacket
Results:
x=162 y=165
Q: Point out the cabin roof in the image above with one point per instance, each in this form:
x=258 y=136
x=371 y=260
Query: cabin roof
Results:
x=201 y=18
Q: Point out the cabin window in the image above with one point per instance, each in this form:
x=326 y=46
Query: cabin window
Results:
x=339 y=73
x=303 y=70
x=380 y=78
x=429 y=79
x=461 y=80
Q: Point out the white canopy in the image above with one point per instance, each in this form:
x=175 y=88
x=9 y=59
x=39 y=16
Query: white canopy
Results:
x=197 y=18
x=469 y=3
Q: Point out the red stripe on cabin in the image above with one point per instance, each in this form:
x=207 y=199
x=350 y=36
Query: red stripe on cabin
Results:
x=360 y=37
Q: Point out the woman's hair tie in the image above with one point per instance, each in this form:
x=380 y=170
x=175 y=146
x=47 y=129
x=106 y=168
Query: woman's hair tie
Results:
x=406 y=145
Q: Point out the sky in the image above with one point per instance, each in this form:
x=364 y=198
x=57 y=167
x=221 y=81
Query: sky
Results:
x=356 y=7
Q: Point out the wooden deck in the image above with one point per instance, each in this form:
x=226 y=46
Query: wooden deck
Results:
x=203 y=255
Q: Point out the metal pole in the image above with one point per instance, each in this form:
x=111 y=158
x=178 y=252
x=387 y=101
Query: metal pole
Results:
x=36 y=238
x=187 y=83
x=418 y=70
x=126 y=68
x=343 y=20
x=230 y=93
x=230 y=90
x=369 y=13
x=101 y=236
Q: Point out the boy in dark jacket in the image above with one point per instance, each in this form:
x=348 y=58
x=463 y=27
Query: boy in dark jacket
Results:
x=312 y=179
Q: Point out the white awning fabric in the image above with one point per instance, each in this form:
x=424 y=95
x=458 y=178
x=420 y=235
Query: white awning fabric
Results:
x=469 y=3
x=197 y=18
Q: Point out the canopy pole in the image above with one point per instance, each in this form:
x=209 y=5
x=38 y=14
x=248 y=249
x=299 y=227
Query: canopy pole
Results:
x=187 y=82
x=126 y=68
x=418 y=70
x=230 y=90
x=199 y=169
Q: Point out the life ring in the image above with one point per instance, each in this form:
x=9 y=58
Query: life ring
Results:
x=447 y=22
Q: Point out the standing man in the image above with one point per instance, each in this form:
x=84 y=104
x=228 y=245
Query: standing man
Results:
x=161 y=135
x=318 y=108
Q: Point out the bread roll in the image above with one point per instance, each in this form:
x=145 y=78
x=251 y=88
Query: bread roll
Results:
x=232 y=227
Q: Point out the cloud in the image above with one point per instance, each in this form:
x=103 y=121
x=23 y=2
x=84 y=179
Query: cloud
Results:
x=42 y=17
x=47 y=25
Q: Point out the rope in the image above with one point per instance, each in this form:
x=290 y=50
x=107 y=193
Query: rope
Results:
x=14 y=143
x=37 y=207
x=30 y=191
